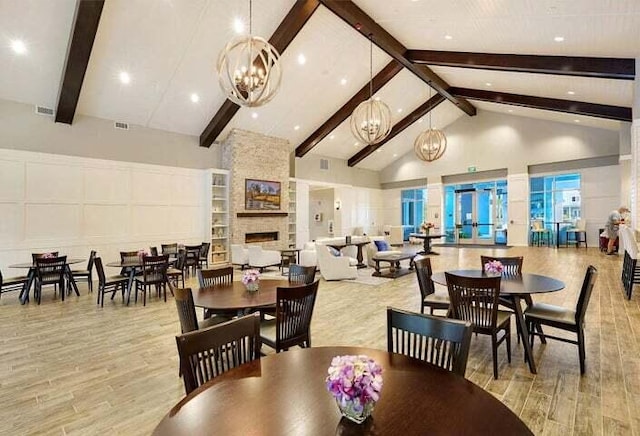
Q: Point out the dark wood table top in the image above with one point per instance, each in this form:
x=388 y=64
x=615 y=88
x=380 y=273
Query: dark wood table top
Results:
x=426 y=236
x=285 y=393
x=27 y=265
x=132 y=263
x=509 y=284
x=341 y=245
x=236 y=296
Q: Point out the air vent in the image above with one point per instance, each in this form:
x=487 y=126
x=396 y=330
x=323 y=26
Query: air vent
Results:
x=121 y=125
x=324 y=164
x=41 y=110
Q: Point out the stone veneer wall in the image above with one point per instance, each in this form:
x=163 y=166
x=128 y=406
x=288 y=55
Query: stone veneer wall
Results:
x=249 y=155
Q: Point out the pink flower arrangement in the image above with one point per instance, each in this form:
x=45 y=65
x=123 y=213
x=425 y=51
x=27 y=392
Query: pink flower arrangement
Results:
x=142 y=253
x=425 y=226
x=356 y=380
x=493 y=267
x=250 y=276
x=48 y=256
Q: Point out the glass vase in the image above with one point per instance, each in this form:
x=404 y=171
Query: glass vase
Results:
x=356 y=414
x=253 y=286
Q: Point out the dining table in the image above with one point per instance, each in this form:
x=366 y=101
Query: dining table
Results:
x=234 y=296
x=285 y=393
x=516 y=287
x=426 y=241
x=31 y=276
x=132 y=266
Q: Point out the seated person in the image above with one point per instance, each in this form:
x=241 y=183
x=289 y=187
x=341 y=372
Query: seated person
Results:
x=613 y=224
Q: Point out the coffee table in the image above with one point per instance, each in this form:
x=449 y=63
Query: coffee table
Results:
x=395 y=270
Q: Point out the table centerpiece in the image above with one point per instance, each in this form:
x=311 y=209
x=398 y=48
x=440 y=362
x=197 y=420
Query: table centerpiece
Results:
x=251 y=280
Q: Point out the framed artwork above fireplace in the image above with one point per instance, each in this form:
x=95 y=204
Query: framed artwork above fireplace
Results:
x=261 y=195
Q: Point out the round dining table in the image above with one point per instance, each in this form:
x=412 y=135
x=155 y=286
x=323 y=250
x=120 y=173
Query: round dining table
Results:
x=285 y=393
x=236 y=297
x=31 y=275
x=132 y=266
x=516 y=287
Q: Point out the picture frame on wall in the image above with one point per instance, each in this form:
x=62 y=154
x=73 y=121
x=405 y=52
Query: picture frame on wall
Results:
x=262 y=195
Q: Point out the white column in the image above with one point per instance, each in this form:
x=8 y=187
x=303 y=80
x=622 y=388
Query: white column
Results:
x=518 y=209
x=635 y=150
x=435 y=205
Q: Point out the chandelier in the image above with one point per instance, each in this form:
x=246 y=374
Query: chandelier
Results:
x=371 y=119
x=249 y=69
x=431 y=144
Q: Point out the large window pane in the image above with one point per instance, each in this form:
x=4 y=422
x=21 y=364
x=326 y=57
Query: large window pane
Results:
x=555 y=199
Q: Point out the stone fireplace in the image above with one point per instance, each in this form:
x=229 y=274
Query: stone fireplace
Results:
x=249 y=155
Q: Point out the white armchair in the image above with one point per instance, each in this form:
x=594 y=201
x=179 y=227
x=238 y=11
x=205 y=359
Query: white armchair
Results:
x=334 y=267
x=396 y=235
x=308 y=255
x=239 y=255
x=261 y=259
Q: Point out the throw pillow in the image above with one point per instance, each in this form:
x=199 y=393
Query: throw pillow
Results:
x=334 y=251
x=381 y=245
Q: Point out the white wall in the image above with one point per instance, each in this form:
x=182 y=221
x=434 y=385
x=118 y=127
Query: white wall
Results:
x=23 y=129
x=360 y=207
x=600 y=192
x=72 y=205
x=320 y=202
x=491 y=141
x=308 y=167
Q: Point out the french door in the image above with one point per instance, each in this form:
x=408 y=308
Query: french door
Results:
x=475 y=216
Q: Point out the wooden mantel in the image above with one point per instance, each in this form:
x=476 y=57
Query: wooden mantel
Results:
x=261 y=214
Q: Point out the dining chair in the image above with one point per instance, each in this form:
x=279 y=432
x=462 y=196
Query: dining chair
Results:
x=436 y=340
x=187 y=312
x=170 y=249
x=215 y=278
x=193 y=257
x=539 y=233
x=294 y=309
x=49 y=254
x=153 y=251
x=176 y=272
x=50 y=271
x=430 y=298
x=128 y=256
x=86 y=274
x=204 y=254
x=108 y=284
x=207 y=353
x=299 y=274
x=579 y=232
x=563 y=318
x=476 y=300
x=12 y=283
x=154 y=273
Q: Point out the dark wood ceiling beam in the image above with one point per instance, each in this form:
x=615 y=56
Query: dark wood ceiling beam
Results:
x=604 y=68
x=397 y=128
x=86 y=20
x=292 y=23
x=618 y=113
x=363 y=23
x=380 y=79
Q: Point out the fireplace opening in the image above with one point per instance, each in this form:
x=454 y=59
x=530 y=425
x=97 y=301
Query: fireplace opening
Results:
x=260 y=237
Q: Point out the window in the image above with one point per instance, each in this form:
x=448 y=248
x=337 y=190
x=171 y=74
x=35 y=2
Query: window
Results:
x=555 y=199
x=414 y=205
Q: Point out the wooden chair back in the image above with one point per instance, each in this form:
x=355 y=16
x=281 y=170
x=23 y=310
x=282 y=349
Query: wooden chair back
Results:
x=440 y=341
x=128 y=256
x=180 y=261
x=303 y=275
x=153 y=251
x=35 y=256
x=154 y=269
x=585 y=294
x=92 y=258
x=186 y=309
x=102 y=278
x=215 y=277
x=193 y=254
x=512 y=265
x=475 y=300
x=169 y=248
x=205 y=354
x=424 y=272
x=51 y=270
x=204 y=249
x=294 y=308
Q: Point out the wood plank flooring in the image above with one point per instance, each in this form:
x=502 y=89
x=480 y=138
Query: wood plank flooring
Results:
x=73 y=368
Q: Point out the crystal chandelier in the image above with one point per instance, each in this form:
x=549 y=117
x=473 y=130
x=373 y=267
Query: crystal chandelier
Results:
x=431 y=144
x=371 y=120
x=249 y=69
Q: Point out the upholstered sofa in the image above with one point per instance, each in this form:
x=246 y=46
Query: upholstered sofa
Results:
x=372 y=250
x=335 y=267
x=261 y=259
x=239 y=255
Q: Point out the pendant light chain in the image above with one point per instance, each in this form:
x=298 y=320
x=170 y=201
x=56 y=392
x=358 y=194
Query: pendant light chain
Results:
x=371 y=65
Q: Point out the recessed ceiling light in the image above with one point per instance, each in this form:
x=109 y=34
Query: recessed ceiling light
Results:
x=302 y=59
x=395 y=154
x=448 y=37
x=558 y=38
x=377 y=99
x=343 y=81
x=18 y=46
x=420 y=120
x=238 y=26
x=378 y=151
x=124 y=77
x=510 y=110
x=576 y=121
x=254 y=115
x=571 y=92
x=399 y=109
x=195 y=98
x=355 y=144
x=488 y=84
x=296 y=127
x=332 y=136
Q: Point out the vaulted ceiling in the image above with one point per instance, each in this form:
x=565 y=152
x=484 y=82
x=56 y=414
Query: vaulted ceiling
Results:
x=169 y=50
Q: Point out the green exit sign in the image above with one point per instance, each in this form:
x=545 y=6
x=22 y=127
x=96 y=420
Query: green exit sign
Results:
x=471 y=169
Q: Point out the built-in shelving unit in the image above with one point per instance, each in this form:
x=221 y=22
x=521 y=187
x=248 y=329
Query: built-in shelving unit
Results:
x=219 y=216
x=292 y=214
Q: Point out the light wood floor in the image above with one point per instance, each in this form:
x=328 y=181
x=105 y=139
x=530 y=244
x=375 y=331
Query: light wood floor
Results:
x=73 y=368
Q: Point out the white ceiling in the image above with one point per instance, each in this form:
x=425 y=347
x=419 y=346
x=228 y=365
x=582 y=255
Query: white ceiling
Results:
x=170 y=48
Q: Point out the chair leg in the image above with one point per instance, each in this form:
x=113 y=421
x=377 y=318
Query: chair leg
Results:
x=494 y=351
x=507 y=332
x=581 y=351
